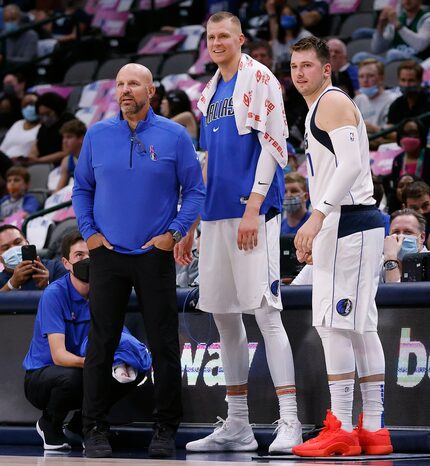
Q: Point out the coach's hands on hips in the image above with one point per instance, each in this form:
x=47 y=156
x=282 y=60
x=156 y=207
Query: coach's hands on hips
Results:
x=165 y=242
x=183 y=250
x=97 y=240
x=305 y=236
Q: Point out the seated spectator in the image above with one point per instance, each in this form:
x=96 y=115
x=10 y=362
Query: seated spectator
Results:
x=10 y=112
x=296 y=197
x=20 y=48
x=158 y=97
x=73 y=133
x=22 y=134
x=261 y=51
x=416 y=196
x=373 y=100
x=415 y=99
x=407 y=231
x=286 y=28
x=23 y=275
x=53 y=380
x=415 y=158
x=176 y=105
x=17 y=199
x=395 y=197
x=404 y=36
x=48 y=147
x=15 y=84
x=344 y=74
x=315 y=16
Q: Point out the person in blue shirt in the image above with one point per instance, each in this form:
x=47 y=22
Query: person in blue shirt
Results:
x=24 y=275
x=53 y=380
x=130 y=172
x=295 y=203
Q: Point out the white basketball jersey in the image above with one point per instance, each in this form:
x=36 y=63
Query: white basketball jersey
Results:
x=322 y=161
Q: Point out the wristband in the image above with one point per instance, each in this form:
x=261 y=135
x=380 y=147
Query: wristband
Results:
x=10 y=286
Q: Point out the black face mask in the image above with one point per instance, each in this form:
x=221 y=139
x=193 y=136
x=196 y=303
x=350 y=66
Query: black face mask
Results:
x=81 y=270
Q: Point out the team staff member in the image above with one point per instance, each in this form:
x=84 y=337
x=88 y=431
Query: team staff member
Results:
x=125 y=196
x=244 y=131
x=344 y=236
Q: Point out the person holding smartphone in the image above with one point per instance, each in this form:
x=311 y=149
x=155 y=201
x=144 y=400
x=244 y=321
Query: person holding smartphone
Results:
x=23 y=269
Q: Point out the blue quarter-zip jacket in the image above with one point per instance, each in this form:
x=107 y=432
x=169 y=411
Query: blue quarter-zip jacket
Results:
x=127 y=183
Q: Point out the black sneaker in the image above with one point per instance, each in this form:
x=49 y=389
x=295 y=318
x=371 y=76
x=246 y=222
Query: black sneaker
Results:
x=96 y=443
x=53 y=437
x=163 y=442
x=74 y=426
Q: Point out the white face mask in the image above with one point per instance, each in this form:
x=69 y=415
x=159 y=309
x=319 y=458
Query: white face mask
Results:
x=12 y=257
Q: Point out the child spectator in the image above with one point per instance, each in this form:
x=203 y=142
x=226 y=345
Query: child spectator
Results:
x=17 y=199
x=296 y=196
x=73 y=133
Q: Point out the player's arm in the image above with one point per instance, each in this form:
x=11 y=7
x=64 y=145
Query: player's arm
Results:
x=59 y=353
x=247 y=235
x=337 y=116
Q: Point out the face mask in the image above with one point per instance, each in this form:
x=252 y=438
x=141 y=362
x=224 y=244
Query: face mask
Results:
x=409 y=246
x=10 y=26
x=8 y=89
x=81 y=270
x=410 y=90
x=29 y=113
x=12 y=257
x=369 y=91
x=288 y=22
x=410 y=144
x=293 y=204
x=48 y=121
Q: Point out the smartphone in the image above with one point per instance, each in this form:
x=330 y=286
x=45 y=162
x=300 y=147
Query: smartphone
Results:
x=29 y=252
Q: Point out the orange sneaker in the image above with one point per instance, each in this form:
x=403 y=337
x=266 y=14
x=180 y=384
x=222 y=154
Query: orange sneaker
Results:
x=332 y=440
x=374 y=443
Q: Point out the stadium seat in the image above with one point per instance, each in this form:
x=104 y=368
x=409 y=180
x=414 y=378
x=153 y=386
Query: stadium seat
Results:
x=153 y=62
x=358 y=45
x=73 y=100
x=81 y=72
x=110 y=68
x=39 y=174
x=177 y=64
x=355 y=21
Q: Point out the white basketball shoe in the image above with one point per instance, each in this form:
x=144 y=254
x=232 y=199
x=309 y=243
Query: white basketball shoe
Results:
x=288 y=435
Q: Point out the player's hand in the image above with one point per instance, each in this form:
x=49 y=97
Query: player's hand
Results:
x=21 y=273
x=247 y=234
x=182 y=251
x=40 y=274
x=304 y=238
x=165 y=242
x=97 y=240
x=306 y=258
x=392 y=245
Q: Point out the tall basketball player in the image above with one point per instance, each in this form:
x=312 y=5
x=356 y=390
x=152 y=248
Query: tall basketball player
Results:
x=344 y=239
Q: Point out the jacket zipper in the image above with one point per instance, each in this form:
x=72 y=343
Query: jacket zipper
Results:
x=131 y=151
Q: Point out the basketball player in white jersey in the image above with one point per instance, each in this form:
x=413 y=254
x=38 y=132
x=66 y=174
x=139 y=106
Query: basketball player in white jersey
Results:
x=239 y=245
x=344 y=239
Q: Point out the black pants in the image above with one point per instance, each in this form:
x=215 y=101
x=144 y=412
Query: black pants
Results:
x=56 y=390
x=112 y=276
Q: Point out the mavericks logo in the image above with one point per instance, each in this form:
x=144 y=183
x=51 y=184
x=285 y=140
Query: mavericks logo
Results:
x=344 y=307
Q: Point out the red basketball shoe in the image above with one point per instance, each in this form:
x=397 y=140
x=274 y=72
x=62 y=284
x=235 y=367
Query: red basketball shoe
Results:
x=332 y=440
x=374 y=443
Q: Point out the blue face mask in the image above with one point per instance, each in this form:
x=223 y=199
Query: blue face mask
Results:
x=29 y=113
x=409 y=246
x=12 y=257
x=288 y=22
x=10 y=26
x=369 y=91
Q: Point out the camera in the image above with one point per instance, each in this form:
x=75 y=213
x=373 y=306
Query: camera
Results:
x=416 y=267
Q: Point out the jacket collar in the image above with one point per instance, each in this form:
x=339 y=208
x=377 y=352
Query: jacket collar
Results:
x=143 y=124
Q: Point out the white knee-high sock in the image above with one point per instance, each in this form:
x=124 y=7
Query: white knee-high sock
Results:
x=373 y=405
x=342 y=395
x=287 y=402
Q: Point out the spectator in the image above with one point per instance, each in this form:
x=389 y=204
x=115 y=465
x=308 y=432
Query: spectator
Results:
x=373 y=100
x=20 y=48
x=17 y=199
x=73 y=133
x=296 y=197
x=415 y=99
x=344 y=74
x=53 y=364
x=158 y=97
x=415 y=158
x=48 y=148
x=261 y=51
x=407 y=231
x=286 y=28
x=14 y=84
x=315 y=16
x=19 y=274
x=416 y=196
x=176 y=105
x=404 y=36
x=395 y=197
x=10 y=112
x=22 y=134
